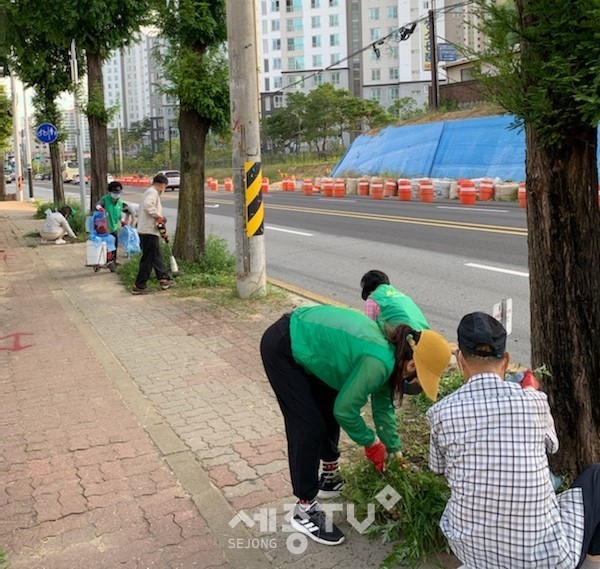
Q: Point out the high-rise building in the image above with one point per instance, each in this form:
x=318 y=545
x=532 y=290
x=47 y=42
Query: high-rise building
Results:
x=353 y=44
x=70 y=128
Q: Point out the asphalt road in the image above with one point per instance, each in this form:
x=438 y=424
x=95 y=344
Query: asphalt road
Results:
x=451 y=259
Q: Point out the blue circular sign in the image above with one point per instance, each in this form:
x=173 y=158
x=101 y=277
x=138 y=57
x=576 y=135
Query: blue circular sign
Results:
x=47 y=133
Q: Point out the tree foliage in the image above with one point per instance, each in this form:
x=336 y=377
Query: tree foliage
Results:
x=320 y=118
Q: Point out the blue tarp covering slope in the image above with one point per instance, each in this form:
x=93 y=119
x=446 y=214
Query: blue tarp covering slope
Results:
x=471 y=148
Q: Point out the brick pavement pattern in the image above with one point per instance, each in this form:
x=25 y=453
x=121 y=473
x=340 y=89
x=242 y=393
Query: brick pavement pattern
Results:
x=138 y=427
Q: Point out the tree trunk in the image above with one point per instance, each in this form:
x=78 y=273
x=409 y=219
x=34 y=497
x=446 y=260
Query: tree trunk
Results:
x=58 y=191
x=2 y=184
x=190 y=239
x=564 y=263
x=97 y=120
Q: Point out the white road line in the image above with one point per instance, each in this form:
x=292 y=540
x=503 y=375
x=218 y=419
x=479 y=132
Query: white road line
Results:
x=497 y=269
x=213 y=206
x=289 y=231
x=477 y=208
x=344 y=200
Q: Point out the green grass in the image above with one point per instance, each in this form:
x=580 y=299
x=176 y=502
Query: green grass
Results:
x=3 y=562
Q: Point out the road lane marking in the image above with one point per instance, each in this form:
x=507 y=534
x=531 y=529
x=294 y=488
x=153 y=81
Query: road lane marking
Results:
x=214 y=205
x=336 y=200
x=497 y=269
x=473 y=209
x=272 y=228
x=465 y=226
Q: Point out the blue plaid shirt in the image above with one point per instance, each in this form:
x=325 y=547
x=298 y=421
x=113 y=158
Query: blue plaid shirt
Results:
x=490 y=439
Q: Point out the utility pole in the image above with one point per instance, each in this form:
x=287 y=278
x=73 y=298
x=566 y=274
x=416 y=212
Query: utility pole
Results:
x=435 y=103
x=78 y=130
x=247 y=173
x=16 y=137
x=27 y=145
x=120 y=146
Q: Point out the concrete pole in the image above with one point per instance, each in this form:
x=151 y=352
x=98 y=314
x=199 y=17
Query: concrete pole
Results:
x=247 y=175
x=435 y=102
x=78 y=131
x=27 y=145
x=16 y=137
x=120 y=146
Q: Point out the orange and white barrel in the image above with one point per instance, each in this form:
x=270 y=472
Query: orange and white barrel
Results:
x=376 y=188
x=467 y=193
x=228 y=184
x=390 y=188
x=522 y=195
x=307 y=187
x=404 y=190
x=426 y=190
x=363 y=187
x=339 y=188
x=327 y=185
x=486 y=190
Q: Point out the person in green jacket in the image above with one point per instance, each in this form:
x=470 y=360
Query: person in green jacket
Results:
x=324 y=363
x=387 y=305
x=112 y=204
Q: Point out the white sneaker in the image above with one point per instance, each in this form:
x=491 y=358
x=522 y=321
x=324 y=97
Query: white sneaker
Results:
x=60 y=242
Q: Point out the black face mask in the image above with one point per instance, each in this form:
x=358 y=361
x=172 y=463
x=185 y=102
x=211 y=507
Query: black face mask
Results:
x=411 y=387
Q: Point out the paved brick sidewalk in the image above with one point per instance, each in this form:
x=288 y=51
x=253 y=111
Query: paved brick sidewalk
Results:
x=144 y=392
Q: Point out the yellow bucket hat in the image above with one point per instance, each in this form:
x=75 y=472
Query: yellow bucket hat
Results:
x=432 y=356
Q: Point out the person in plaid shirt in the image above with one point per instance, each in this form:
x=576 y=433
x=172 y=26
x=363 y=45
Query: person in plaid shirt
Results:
x=490 y=439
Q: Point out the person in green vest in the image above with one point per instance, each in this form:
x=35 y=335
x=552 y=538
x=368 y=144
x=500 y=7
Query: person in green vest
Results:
x=324 y=363
x=387 y=305
x=112 y=204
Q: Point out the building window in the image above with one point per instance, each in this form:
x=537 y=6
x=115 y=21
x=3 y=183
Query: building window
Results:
x=274 y=5
x=318 y=80
x=294 y=25
x=275 y=25
x=276 y=45
x=277 y=82
x=334 y=39
x=267 y=84
x=375 y=94
x=336 y=78
x=466 y=74
x=394 y=74
x=263 y=8
x=266 y=66
x=315 y=22
x=295 y=44
x=316 y=41
x=276 y=63
x=315 y=3
x=265 y=28
x=317 y=61
x=333 y=3
x=278 y=101
x=375 y=74
x=375 y=33
x=334 y=20
x=373 y=13
x=293 y=5
x=295 y=63
x=334 y=58
x=394 y=93
x=392 y=12
x=267 y=104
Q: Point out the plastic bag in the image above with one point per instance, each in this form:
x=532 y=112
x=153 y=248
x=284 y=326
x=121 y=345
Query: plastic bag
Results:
x=100 y=222
x=129 y=239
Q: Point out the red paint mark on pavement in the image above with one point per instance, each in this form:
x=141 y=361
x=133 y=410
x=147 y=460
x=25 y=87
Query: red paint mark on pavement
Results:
x=16 y=338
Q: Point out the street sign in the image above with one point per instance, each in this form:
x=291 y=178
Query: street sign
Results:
x=447 y=52
x=47 y=133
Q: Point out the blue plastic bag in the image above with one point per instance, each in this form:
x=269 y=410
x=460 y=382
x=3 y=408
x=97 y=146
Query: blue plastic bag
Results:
x=129 y=239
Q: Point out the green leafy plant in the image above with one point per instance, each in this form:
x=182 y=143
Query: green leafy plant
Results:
x=3 y=562
x=76 y=219
x=449 y=383
x=413 y=521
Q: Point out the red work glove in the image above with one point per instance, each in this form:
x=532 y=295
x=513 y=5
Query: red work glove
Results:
x=529 y=380
x=160 y=220
x=376 y=454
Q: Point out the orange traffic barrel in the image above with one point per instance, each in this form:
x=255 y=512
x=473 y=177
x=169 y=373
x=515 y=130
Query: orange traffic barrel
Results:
x=467 y=192
x=228 y=184
x=426 y=190
x=376 y=188
x=486 y=190
x=327 y=185
x=404 y=190
x=339 y=188
x=265 y=186
x=363 y=187
x=390 y=188
x=522 y=195
x=307 y=187
x=214 y=184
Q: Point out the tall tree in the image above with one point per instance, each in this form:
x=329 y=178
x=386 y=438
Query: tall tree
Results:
x=196 y=68
x=98 y=27
x=42 y=64
x=5 y=132
x=547 y=54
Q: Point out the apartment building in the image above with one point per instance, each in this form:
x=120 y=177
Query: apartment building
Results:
x=357 y=45
x=70 y=128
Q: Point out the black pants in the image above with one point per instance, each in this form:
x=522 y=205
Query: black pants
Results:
x=307 y=406
x=589 y=482
x=115 y=234
x=151 y=259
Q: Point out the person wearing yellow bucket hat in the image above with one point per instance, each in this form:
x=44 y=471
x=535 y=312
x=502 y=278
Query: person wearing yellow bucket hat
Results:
x=324 y=363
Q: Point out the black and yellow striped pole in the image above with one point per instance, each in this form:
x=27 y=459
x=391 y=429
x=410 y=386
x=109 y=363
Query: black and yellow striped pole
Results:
x=255 y=208
x=245 y=138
